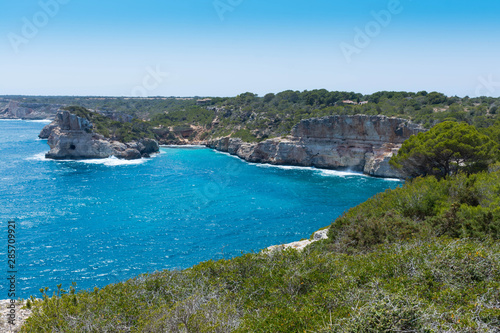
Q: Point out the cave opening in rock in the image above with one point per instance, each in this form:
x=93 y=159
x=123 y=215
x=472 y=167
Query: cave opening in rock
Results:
x=72 y=147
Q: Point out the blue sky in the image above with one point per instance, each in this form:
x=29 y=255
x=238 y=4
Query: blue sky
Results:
x=226 y=47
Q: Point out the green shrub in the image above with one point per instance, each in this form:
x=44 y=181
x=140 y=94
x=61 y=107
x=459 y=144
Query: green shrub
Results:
x=460 y=206
x=245 y=135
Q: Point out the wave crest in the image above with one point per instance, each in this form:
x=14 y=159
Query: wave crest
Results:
x=110 y=161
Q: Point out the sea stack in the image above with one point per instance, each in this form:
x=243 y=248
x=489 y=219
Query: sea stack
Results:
x=72 y=137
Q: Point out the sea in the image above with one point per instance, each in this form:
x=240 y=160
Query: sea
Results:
x=96 y=222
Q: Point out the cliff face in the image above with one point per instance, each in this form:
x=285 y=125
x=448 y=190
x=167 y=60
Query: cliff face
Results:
x=359 y=143
x=71 y=137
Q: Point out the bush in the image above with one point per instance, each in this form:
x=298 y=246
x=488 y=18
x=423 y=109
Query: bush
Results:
x=460 y=207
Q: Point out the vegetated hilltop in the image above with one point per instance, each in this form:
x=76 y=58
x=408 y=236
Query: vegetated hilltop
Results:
x=421 y=258
x=253 y=118
x=123 y=131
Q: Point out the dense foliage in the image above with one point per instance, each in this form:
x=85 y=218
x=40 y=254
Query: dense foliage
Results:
x=275 y=114
x=421 y=258
x=116 y=130
x=459 y=207
x=447 y=148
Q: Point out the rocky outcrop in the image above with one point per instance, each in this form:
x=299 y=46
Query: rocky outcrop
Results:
x=47 y=130
x=72 y=137
x=358 y=143
x=300 y=245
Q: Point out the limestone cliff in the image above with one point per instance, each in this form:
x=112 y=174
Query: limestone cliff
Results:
x=359 y=143
x=71 y=137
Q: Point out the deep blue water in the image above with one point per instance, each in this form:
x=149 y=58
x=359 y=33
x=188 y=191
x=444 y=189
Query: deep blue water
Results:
x=104 y=221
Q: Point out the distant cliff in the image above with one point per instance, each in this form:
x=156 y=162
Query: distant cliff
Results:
x=16 y=110
x=72 y=137
x=359 y=143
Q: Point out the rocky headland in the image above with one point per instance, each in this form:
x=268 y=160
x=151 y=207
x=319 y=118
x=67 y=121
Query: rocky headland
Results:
x=72 y=137
x=359 y=143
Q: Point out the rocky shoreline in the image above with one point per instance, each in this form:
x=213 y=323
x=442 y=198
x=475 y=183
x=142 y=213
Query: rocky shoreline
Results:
x=358 y=143
x=72 y=137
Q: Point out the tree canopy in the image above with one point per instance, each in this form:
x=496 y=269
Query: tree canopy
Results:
x=447 y=148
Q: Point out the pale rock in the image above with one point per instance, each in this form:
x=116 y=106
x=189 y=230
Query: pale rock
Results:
x=77 y=145
x=71 y=137
x=300 y=245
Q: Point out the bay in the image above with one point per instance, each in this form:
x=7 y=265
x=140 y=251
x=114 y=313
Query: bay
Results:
x=97 y=222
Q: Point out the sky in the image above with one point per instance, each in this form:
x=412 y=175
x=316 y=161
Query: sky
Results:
x=227 y=47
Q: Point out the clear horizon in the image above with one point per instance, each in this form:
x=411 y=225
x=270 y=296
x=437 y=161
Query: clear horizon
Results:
x=228 y=47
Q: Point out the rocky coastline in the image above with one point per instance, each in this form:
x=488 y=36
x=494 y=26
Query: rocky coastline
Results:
x=358 y=143
x=72 y=137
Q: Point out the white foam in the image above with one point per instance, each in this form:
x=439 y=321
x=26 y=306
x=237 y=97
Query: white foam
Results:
x=322 y=172
x=337 y=173
x=286 y=167
x=113 y=161
x=110 y=161
x=394 y=180
x=183 y=146
x=229 y=155
x=156 y=154
x=40 y=121
x=10 y=119
x=37 y=157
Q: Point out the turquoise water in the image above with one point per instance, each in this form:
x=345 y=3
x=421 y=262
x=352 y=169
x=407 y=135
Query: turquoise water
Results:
x=102 y=221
